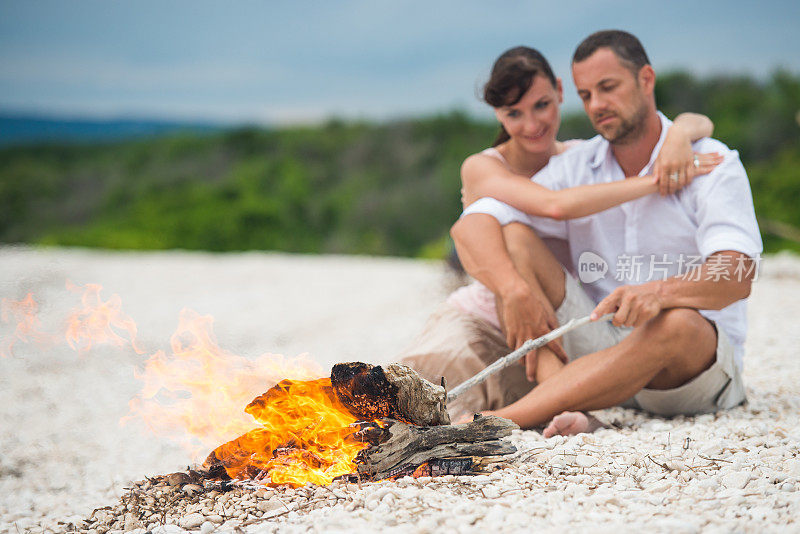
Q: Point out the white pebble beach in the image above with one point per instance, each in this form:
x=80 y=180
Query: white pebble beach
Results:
x=63 y=452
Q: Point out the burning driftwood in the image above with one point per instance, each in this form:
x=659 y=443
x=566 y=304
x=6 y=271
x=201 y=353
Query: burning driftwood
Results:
x=396 y=391
x=366 y=420
x=303 y=436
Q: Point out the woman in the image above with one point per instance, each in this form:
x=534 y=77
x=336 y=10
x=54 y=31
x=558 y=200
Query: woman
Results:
x=465 y=334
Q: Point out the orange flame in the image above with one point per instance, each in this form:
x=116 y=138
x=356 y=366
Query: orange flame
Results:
x=26 y=313
x=98 y=321
x=303 y=438
x=195 y=395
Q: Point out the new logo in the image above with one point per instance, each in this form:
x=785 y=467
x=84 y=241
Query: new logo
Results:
x=591 y=267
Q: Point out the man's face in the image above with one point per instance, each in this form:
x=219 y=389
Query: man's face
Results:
x=613 y=97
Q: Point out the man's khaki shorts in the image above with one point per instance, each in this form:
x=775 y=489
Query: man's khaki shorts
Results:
x=719 y=387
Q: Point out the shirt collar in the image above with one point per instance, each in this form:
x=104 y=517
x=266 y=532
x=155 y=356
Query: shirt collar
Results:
x=604 y=152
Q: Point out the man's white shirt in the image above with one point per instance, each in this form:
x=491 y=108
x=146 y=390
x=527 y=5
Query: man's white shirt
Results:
x=653 y=237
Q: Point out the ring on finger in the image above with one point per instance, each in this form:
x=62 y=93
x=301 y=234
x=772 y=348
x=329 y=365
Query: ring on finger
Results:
x=696 y=161
x=674 y=176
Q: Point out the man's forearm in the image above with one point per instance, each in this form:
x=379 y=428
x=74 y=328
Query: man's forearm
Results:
x=480 y=245
x=724 y=279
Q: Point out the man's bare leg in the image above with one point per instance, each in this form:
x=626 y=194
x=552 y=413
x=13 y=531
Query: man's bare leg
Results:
x=665 y=353
x=547 y=365
x=566 y=423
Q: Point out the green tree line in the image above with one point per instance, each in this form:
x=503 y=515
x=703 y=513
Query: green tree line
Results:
x=345 y=186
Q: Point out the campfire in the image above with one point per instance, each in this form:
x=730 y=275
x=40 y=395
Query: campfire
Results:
x=314 y=438
x=365 y=422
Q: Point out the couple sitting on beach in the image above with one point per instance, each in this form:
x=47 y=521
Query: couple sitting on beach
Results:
x=555 y=230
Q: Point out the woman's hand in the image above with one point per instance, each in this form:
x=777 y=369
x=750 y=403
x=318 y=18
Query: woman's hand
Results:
x=677 y=164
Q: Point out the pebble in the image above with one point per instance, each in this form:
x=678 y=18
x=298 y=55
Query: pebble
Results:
x=736 y=480
x=191 y=489
x=491 y=492
x=192 y=520
x=793 y=467
x=269 y=505
x=176 y=479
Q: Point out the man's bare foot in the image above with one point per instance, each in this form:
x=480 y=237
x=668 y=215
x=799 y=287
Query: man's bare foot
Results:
x=571 y=423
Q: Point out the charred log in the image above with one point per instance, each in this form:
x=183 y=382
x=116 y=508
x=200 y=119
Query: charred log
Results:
x=215 y=468
x=372 y=432
x=396 y=392
x=409 y=446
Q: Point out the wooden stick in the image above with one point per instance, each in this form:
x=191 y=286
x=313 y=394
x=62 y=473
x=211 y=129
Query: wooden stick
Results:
x=526 y=347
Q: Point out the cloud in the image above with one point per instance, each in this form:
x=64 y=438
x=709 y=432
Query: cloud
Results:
x=302 y=59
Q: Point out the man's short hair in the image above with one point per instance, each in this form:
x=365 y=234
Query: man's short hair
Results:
x=625 y=46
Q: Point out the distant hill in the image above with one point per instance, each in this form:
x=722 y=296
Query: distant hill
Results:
x=19 y=129
x=340 y=187
x=354 y=187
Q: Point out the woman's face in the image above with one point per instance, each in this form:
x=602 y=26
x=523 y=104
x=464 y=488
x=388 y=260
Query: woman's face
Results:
x=533 y=121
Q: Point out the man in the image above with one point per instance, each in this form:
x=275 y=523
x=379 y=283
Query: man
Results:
x=674 y=270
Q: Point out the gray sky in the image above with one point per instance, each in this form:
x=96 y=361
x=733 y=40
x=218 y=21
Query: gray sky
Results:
x=304 y=61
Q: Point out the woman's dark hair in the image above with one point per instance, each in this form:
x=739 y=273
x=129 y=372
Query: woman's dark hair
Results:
x=512 y=76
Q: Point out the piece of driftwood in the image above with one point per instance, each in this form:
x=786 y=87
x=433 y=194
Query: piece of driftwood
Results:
x=396 y=446
x=395 y=391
